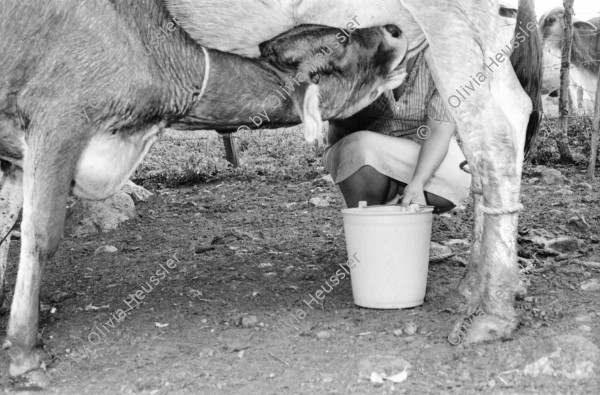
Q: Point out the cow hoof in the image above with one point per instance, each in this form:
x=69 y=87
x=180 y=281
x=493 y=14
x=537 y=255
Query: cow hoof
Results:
x=480 y=327
x=22 y=362
x=31 y=381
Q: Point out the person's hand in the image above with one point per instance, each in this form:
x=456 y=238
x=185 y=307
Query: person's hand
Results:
x=413 y=194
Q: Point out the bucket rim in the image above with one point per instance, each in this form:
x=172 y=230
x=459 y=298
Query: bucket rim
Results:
x=365 y=210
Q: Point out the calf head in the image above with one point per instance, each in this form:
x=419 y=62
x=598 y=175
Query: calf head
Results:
x=551 y=30
x=337 y=72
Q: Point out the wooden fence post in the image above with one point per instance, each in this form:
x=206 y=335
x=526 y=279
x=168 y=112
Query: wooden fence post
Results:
x=595 y=132
x=230 y=149
x=562 y=140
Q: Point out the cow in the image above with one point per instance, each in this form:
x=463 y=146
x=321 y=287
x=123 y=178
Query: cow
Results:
x=585 y=59
x=87 y=87
x=496 y=107
x=469 y=61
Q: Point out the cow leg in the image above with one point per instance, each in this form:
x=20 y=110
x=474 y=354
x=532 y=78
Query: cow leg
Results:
x=491 y=281
x=48 y=170
x=11 y=201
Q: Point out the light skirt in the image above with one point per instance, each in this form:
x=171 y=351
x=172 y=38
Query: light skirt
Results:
x=396 y=158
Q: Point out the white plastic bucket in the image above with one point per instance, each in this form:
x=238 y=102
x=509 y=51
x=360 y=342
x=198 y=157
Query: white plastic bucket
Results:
x=388 y=250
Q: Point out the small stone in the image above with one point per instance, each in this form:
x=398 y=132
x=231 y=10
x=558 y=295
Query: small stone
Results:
x=578 y=223
x=583 y=318
x=189 y=204
x=249 y=321
x=397 y=332
x=139 y=237
x=318 y=202
x=591 y=285
x=564 y=244
x=584 y=185
x=383 y=365
x=323 y=335
x=585 y=328
x=327 y=378
x=438 y=252
x=15 y=235
x=411 y=328
x=105 y=249
x=565 y=191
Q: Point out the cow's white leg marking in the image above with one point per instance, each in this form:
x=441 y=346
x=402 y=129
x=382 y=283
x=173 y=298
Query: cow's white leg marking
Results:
x=11 y=201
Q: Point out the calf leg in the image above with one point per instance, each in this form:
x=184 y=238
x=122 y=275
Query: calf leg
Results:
x=11 y=201
x=48 y=169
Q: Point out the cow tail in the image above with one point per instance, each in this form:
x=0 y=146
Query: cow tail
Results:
x=527 y=61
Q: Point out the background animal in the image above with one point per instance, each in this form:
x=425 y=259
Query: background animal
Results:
x=585 y=58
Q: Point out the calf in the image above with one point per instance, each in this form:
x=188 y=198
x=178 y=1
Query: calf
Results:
x=144 y=73
x=585 y=57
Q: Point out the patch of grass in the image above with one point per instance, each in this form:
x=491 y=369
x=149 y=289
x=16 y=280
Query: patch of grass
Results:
x=180 y=158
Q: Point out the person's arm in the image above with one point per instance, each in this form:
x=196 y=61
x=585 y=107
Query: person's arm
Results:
x=432 y=154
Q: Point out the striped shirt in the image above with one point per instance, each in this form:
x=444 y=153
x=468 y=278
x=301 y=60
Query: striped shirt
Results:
x=401 y=118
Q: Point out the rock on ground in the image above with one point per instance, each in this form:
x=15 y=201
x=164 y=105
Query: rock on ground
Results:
x=87 y=217
x=551 y=176
x=137 y=193
x=564 y=244
x=574 y=357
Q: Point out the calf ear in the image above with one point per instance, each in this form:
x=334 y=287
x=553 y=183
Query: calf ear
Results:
x=295 y=45
x=306 y=102
x=583 y=25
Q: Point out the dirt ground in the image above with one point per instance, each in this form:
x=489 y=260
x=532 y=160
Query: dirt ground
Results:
x=239 y=258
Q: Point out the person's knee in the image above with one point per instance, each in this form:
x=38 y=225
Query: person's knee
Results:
x=365 y=184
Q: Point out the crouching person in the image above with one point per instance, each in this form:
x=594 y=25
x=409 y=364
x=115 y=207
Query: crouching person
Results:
x=400 y=148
